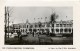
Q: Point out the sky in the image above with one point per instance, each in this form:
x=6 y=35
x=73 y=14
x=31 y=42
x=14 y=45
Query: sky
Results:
x=21 y=14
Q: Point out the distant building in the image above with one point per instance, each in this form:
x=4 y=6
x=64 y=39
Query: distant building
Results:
x=16 y=28
x=9 y=29
x=24 y=27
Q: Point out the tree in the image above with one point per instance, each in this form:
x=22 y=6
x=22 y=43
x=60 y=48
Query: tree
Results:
x=8 y=12
x=53 y=18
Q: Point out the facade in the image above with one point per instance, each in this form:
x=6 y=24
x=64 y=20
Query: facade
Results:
x=24 y=27
x=63 y=27
x=59 y=27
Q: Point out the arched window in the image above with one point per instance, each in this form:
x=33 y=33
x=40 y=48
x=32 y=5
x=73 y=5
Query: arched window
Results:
x=30 y=30
x=69 y=30
x=66 y=30
x=61 y=30
x=57 y=25
x=57 y=30
x=52 y=30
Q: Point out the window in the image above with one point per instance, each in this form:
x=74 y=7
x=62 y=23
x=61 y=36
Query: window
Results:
x=57 y=30
x=67 y=25
x=57 y=25
x=47 y=30
x=34 y=30
x=66 y=30
x=69 y=30
x=60 y=25
x=52 y=30
x=61 y=30
x=27 y=26
x=70 y=25
x=30 y=30
x=64 y=25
